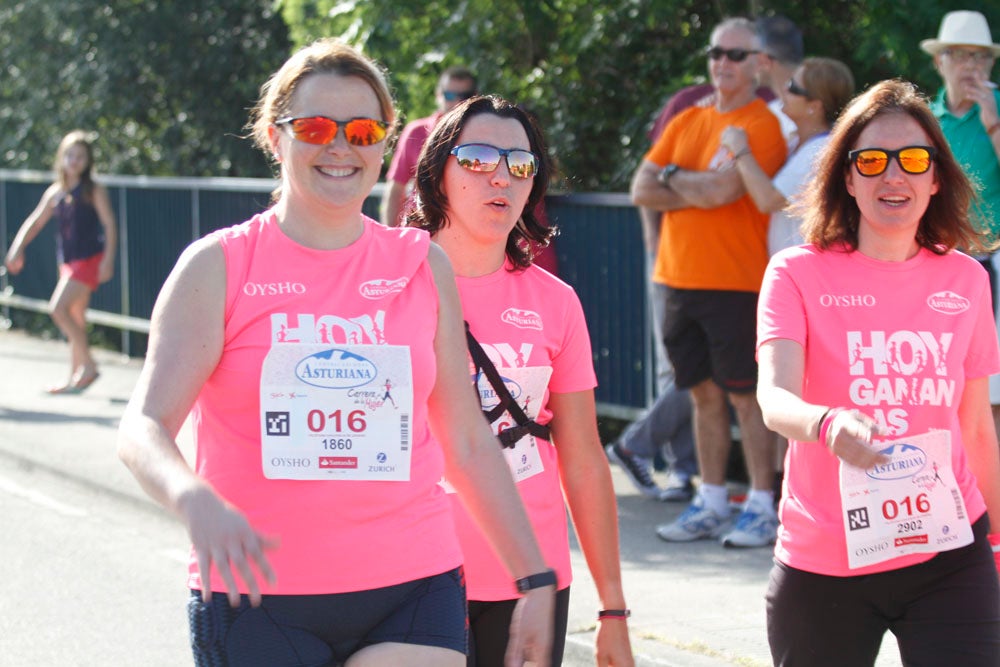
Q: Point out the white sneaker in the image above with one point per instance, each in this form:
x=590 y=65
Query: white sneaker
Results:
x=755 y=527
x=678 y=489
x=697 y=522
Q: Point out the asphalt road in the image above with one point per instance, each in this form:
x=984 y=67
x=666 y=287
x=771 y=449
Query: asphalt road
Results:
x=95 y=570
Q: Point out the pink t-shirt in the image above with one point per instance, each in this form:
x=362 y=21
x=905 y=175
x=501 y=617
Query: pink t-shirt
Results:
x=336 y=536
x=526 y=319
x=404 y=160
x=895 y=341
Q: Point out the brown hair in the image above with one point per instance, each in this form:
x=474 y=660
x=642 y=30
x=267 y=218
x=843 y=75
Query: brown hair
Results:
x=830 y=82
x=75 y=138
x=432 y=211
x=324 y=56
x=831 y=214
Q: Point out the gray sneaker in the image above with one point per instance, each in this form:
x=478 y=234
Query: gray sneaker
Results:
x=754 y=528
x=679 y=489
x=637 y=469
x=697 y=522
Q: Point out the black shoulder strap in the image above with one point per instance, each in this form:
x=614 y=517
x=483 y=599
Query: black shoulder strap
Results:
x=525 y=425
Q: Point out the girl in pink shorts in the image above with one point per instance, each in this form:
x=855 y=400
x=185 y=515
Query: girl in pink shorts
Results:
x=85 y=246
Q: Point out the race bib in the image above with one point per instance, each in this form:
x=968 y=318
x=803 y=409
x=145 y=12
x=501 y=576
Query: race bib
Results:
x=336 y=412
x=912 y=504
x=527 y=387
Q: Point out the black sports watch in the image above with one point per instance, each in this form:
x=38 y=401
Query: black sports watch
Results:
x=664 y=176
x=540 y=580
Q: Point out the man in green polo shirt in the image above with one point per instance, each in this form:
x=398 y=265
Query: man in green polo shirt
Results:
x=966 y=106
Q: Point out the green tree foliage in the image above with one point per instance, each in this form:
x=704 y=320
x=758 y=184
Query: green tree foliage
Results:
x=164 y=84
x=597 y=71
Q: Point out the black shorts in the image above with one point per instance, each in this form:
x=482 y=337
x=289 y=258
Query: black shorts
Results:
x=945 y=611
x=325 y=630
x=489 y=630
x=710 y=334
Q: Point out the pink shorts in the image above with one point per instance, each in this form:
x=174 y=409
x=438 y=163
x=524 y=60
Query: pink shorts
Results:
x=86 y=271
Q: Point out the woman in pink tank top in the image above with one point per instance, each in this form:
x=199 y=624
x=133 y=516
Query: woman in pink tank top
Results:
x=483 y=172
x=312 y=347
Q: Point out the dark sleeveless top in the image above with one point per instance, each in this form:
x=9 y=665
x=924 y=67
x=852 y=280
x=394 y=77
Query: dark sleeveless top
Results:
x=80 y=232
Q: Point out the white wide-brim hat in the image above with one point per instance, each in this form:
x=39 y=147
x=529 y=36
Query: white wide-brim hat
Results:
x=962 y=28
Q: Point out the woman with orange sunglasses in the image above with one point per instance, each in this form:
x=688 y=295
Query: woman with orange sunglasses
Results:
x=875 y=341
x=320 y=533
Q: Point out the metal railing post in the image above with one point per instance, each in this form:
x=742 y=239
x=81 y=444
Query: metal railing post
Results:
x=125 y=270
x=195 y=214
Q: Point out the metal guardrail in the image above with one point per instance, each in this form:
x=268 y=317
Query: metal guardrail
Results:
x=599 y=251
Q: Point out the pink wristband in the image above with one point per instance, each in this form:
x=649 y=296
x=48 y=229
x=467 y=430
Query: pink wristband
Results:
x=994 y=539
x=824 y=426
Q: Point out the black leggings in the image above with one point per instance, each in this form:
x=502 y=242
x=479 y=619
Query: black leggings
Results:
x=943 y=612
x=489 y=630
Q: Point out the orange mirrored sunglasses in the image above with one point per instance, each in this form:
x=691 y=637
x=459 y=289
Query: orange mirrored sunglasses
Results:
x=874 y=161
x=320 y=130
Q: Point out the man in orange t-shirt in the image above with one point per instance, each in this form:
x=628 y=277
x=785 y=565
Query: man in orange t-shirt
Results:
x=709 y=266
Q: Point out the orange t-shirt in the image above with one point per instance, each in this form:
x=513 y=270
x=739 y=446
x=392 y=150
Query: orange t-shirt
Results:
x=722 y=248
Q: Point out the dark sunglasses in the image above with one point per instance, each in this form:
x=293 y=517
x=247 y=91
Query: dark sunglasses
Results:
x=874 y=161
x=451 y=95
x=796 y=89
x=486 y=158
x=735 y=55
x=320 y=130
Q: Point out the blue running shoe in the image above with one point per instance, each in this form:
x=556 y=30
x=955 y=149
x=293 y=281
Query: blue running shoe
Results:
x=755 y=527
x=697 y=522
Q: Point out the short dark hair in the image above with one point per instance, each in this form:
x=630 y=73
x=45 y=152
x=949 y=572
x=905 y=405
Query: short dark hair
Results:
x=780 y=38
x=831 y=214
x=431 y=211
x=461 y=73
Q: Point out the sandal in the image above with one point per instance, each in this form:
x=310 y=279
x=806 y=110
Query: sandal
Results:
x=84 y=382
x=62 y=389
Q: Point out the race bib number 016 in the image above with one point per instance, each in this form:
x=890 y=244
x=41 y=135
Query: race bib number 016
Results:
x=336 y=413
x=912 y=504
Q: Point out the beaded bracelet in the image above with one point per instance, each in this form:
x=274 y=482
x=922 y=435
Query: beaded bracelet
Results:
x=824 y=425
x=620 y=614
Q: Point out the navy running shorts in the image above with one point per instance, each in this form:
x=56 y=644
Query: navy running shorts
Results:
x=325 y=630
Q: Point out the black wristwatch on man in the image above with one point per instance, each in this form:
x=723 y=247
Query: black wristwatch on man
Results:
x=664 y=176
